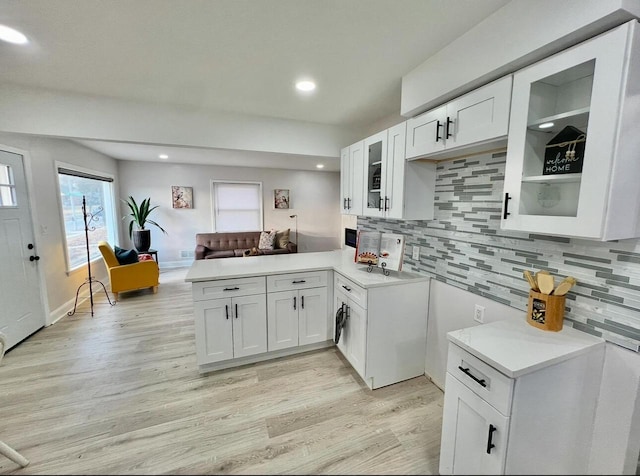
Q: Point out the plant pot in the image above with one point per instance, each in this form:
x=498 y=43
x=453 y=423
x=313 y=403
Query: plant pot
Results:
x=142 y=240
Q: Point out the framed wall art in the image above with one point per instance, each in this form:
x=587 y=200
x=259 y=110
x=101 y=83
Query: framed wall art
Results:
x=281 y=198
x=181 y=197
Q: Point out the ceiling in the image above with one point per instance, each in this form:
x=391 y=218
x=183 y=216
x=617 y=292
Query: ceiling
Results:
x=235 y=55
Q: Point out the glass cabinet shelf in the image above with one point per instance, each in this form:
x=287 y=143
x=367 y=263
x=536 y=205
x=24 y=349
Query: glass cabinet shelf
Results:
x=577 y=118
x=564 y=178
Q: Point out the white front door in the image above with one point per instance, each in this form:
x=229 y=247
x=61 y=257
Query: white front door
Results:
x=21 y=309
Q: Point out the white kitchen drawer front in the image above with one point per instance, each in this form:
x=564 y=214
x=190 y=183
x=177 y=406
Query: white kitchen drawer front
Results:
x=228 y=288
x=357 y=294
x=481 y=378
x=291 y=281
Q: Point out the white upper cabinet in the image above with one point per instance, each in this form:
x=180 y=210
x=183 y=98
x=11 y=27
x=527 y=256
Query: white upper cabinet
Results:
x=467 y=123
x=351 y=179
x=394 y=187
x=572 y=164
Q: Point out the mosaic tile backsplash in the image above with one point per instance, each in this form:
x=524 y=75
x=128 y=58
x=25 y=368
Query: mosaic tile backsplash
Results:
x=464 y=246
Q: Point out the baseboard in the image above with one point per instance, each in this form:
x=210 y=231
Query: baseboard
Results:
x=61 y=311
x=185 y=263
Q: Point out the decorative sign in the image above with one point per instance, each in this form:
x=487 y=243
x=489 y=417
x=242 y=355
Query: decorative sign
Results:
x=565 y=152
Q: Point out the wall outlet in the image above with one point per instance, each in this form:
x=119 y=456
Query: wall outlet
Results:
x=416 y=253
x=478 y=314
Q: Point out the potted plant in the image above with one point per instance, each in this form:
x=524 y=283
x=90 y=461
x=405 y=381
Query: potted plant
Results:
x=140 y=217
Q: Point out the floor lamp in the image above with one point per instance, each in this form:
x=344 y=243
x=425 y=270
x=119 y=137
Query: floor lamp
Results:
x=296 y=230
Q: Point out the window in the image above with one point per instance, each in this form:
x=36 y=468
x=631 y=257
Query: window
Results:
x=237 y=206
x=7 y=187
x=97 y=191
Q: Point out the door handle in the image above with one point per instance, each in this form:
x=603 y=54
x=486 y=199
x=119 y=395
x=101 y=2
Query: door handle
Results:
x=34 y=258
x=226 y=310
x=386 y=200
x=490 y=439
x=506 y=206
x=30 y=246
x=236 y=311
x=294 y=303
x=344 y=203
x=449 y=122
x=438 y=126
x=348 y=204
x=302 y=302
x=380 y=204
x=469 y=374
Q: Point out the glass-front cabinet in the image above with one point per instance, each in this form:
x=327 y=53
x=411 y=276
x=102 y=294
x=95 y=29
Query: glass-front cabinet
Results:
x=573 y=160
x=375 y=153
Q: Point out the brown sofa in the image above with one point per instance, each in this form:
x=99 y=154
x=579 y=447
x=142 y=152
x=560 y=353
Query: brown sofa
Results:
x=229 y=245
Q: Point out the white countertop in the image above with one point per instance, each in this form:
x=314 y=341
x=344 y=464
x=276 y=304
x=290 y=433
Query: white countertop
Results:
x=516 y=348
x=340 y=261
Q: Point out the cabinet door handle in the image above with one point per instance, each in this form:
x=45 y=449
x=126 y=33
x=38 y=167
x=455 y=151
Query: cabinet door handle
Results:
x=348 y=204
x=380 y=204
x=298 y=281
x=506 y=206
x=236 y=311
x=302 y=302
x=347 y=288
x=344 y=203
x=294 y=303
x=438 y=126
x=226 y=310
x=386 y=200
x=466 y=371
x=490 y=439
x=231 y=289
x=449 y=122
x=348 y=314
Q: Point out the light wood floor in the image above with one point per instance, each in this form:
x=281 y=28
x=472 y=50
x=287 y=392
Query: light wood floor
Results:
x=120 y=393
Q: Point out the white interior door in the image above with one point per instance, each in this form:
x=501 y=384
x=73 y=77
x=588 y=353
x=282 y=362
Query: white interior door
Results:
x=21 y=309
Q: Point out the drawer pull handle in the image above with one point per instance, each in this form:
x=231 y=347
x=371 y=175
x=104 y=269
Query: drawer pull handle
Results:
x=231 y=289
x=299 y=281
x=466 y=371
x=347 y=288
x=490 y=439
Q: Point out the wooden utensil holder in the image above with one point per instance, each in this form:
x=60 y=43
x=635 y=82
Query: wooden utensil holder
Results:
x=545 y=311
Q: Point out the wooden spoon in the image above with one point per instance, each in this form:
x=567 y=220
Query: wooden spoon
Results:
x=532 y=282
x=546 y=283
x=564 y=286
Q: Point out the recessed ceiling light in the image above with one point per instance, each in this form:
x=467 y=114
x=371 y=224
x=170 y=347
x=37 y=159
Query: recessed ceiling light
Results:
x=12 y=36
x=163 y=156
x=305 y=86
x=546 y=125
x=320 y=166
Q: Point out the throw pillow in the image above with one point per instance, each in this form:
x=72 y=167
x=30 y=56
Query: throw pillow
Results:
x=145 y=257
x=267 y=240
x=282 y=238
x=125 y=256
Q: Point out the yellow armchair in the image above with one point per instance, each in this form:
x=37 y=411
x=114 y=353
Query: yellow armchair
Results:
x=128 y=277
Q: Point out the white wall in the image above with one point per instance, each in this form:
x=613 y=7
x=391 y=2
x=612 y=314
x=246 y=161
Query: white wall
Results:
x=518 y=34
x=314 y=198
x=49 y=229
x=50 y=113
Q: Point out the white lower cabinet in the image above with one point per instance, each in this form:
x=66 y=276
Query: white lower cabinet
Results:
x=297 y=317
x=229 y=328
x=384 y=335
x=476 y=432
x=519 y=400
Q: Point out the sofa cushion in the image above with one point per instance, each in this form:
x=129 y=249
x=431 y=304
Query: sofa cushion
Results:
x=125 y=256
x=219 y=254
x=282 y=238
x=267 y=239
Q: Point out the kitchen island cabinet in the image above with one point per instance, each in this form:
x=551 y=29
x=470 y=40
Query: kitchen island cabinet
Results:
x=519 y=400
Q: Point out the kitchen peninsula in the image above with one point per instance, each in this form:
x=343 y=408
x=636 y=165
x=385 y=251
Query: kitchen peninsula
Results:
x=262 y=307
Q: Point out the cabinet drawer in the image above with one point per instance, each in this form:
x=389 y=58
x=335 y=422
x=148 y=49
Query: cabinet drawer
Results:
x=291 y=281
x=228 y=288
x=357 y=294
x=481 y=378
